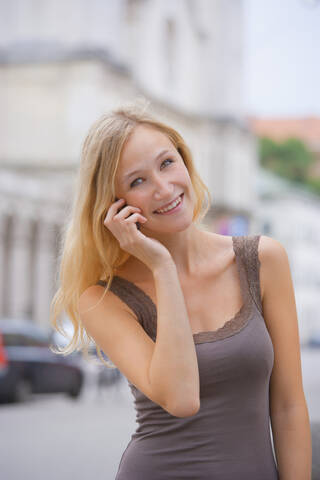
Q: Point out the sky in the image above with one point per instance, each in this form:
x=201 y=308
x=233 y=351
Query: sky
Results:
x=282 y=57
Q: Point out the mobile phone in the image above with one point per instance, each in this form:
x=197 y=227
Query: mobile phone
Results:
x=137 y=223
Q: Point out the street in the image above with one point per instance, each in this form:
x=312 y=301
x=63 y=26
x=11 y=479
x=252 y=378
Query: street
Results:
x=54 y=437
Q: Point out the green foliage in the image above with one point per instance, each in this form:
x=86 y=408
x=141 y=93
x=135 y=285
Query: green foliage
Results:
x=290 y=159
x=314 y=185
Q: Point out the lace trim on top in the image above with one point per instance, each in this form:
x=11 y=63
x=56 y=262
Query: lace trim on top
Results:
x=139 y=302
x=246 y=256
x=253 y=271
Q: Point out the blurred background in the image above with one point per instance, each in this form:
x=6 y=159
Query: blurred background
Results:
x=240 y=80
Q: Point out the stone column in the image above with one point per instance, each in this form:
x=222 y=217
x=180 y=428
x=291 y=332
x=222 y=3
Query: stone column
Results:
x=43 y=272
x=19 y=266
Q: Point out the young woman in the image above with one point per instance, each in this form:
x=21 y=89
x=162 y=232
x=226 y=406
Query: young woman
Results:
x=203 y=326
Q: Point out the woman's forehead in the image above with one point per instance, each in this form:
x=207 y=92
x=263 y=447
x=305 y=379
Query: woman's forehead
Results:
x=144 y=138
x=143 y=146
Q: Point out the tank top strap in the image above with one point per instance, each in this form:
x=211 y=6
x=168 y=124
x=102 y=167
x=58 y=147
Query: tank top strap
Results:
x=246 y=248
x=137 y=300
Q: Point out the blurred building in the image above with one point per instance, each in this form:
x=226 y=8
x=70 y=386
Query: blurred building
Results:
x=63 y=64
x=291 y=215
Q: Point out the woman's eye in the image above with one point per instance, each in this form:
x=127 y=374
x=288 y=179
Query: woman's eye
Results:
x=133 y=184
x=167 y=160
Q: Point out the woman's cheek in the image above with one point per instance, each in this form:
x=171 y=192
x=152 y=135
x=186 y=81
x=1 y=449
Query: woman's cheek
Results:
x=138 y=200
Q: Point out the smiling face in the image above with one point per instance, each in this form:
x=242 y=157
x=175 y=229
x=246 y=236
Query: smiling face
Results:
x=150 y=175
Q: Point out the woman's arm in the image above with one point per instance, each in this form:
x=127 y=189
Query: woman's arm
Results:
x=173 y=371
x=166 y=370
x=174 y=364
x=288 y=409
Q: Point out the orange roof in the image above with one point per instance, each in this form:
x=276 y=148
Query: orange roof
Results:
x=281 y=128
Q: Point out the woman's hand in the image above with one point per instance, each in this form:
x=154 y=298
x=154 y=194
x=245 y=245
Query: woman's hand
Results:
x=123 y=226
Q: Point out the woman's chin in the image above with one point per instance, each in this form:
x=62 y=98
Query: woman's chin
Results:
x=171 y=227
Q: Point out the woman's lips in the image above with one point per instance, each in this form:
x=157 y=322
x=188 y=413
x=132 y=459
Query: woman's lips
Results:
x=173 y=210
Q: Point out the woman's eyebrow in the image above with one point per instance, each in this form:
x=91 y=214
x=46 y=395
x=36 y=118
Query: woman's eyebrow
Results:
x=128 y=175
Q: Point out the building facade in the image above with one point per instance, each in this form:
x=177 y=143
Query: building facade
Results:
x=64 y=64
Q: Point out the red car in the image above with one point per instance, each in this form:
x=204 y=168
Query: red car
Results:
x=3 y=358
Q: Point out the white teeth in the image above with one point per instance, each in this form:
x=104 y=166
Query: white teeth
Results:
x=170 y=207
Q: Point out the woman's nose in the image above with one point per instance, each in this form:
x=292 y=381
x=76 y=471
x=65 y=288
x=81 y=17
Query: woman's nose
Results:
x=162 y=189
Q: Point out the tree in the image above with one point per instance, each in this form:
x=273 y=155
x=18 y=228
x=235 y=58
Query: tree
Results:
x=290 y=159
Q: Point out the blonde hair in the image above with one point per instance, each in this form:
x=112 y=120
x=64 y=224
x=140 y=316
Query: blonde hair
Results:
x=88 y=250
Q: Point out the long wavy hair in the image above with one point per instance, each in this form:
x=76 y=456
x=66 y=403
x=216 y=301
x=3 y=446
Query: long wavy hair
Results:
x=88 y=251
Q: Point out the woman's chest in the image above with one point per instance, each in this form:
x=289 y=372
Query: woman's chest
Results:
x=211 y=299
x=211 y=304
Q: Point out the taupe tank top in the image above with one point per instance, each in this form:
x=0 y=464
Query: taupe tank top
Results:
x=229 y=438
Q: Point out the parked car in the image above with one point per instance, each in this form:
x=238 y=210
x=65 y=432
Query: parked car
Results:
x=32 y=367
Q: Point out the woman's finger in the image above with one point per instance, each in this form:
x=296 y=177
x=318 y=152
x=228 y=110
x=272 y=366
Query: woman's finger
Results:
x=135 y=217
x=124 y=212
x=112 y=210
